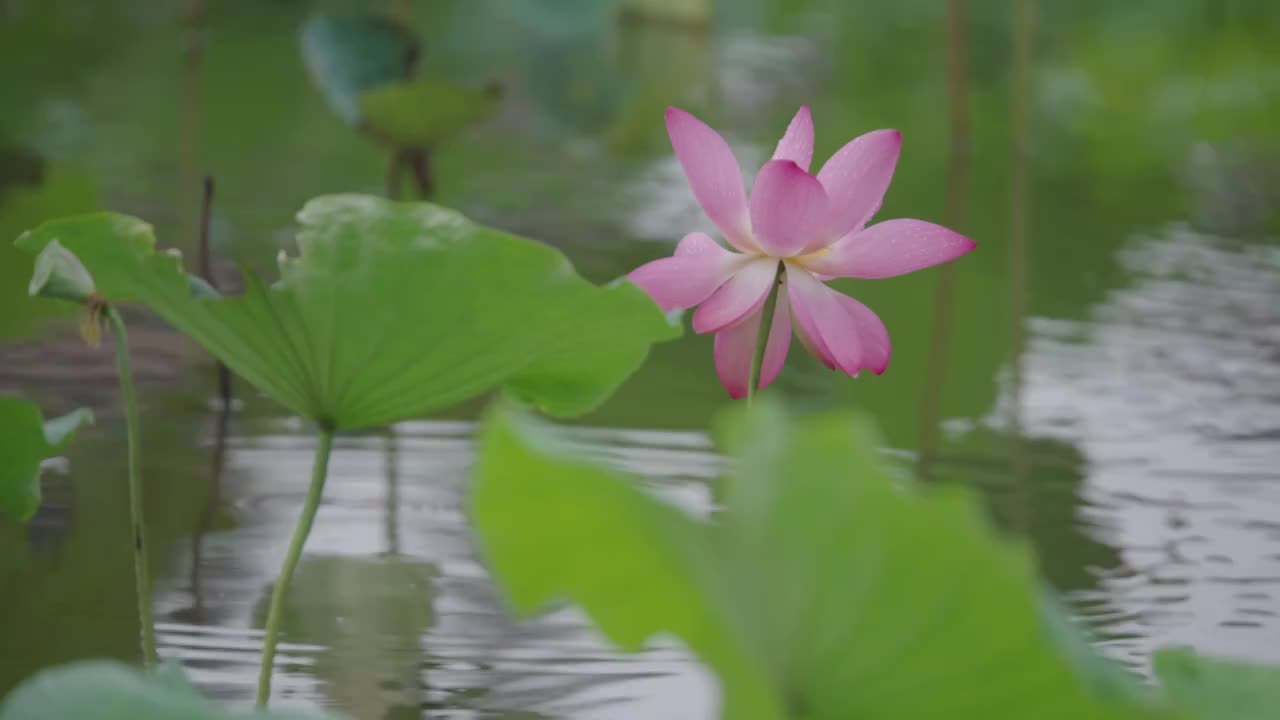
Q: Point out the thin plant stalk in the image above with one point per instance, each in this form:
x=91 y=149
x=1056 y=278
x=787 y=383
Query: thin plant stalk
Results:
x=1019 y=212
x=141 y=569
x=206 y=271
x=392 y=503
x=762 y=335
x=319 y=471
x=193 y=20
x=395 y=168
x=419 y=162
x=953 y=216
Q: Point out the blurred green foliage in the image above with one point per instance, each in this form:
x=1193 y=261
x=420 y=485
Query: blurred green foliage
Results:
x=105 y=690
x=829 y=585
x=26 y=440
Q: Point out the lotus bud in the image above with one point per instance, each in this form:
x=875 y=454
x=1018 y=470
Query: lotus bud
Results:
x=60 y=274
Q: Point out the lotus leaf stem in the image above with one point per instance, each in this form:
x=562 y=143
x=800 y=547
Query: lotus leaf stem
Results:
x=319 y=471
x=141 y=569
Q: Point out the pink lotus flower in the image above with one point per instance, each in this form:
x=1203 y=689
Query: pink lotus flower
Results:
x=814 y=225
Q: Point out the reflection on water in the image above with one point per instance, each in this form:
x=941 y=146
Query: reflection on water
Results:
x=1170 y=393
x=391 y=613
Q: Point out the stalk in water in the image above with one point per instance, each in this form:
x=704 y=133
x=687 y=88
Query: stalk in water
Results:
x=957 y=198
x=395 y=166
x=60 y=275
x=141 y=570
x=206 y=271
x=762 y=336
x=319 y=471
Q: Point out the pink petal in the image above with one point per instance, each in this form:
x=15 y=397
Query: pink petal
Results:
x=698 y=267
x=824 y=325
x=872 y=334
x=806 y=325
x=856 y=178
x=893 y=247
x=813 y=343
x=742 y=295
x=788 y=207
x=736 y=345
x=796 y=144
x=713 y=175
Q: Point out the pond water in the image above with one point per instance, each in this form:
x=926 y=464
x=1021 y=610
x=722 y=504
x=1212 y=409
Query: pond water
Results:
x=1105 y=368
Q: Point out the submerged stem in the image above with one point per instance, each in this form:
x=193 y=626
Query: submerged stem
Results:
x=319 y=470
x=762 y=336
x=141 y=570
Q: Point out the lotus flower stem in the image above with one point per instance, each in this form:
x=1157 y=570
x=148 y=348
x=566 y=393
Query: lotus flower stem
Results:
x=141 y=570
x=319 y=471
x=762 y=337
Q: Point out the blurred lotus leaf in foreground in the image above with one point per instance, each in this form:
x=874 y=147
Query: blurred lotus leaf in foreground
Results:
x=828 y=587
x=108 y=690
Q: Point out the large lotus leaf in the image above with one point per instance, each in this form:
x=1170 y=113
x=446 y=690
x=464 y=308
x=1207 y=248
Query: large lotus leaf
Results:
x=424 y=112
x=1212 y=689
x=827 y=587
x=348 y=55
x=391 y=310
x=552 y=526
x=107 y=690
x=27 y=439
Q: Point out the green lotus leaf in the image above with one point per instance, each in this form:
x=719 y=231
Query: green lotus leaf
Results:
x=364 y=65
x=27 y=439
x=828 y=587
x=349 y=54
x=390 y=310
x=108 y=690
x=424 y=112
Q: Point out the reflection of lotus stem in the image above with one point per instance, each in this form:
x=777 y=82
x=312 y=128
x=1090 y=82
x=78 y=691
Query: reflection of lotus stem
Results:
x=319 y=471
x=211 y=504
x=762 y=335
x=142 y=574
